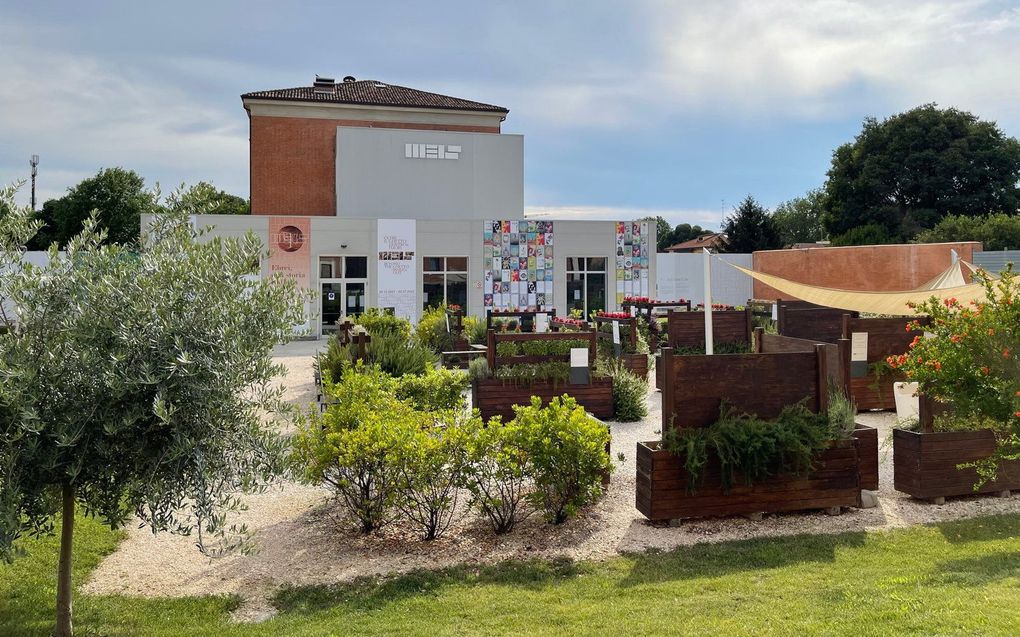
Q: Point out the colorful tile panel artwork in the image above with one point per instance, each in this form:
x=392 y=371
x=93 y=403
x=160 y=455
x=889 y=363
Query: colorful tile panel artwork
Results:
x=518 y=270
x=632 y=259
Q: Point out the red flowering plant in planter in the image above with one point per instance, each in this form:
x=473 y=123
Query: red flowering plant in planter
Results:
x=969 y=357
x=571 y=322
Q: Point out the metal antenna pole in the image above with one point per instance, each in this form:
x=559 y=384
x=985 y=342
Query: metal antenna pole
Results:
x=34 y=163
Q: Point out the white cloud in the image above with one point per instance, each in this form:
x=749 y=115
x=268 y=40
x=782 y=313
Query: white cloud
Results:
x=80 y=114
x=787 y=60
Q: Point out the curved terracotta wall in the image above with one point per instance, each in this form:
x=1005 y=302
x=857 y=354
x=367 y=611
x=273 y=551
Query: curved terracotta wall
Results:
x=883 y=268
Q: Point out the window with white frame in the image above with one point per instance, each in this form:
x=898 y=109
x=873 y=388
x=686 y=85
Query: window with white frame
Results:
x=444 y=280
x=586 y=284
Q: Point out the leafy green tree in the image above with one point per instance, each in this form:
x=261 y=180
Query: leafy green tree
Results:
x=751 y=228
x=683 y=232
x=799 y=220
x=995 y=232
x=118 y=194
x=136 y=379
x=909 y=171
x=866 y=235
x=206 y=199
x=662 y=230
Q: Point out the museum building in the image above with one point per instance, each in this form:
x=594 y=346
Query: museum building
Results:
x=377 y=195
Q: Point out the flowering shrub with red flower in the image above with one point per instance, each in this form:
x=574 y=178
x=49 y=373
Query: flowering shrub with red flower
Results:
x=644 y=299
x=570 y=322
x=969 y=360
x=613 y=315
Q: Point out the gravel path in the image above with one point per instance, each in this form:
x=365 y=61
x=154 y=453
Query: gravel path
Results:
x=300 y=542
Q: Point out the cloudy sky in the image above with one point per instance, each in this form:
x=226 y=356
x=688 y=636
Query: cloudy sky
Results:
x=676 y=108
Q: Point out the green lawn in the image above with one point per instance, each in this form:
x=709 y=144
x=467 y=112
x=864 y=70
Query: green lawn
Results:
x=960 y=578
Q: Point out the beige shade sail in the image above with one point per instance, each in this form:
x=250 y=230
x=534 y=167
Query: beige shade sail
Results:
x=951 y=277
x=891 y=303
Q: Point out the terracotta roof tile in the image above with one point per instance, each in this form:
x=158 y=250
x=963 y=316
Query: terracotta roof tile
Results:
x=373 y=93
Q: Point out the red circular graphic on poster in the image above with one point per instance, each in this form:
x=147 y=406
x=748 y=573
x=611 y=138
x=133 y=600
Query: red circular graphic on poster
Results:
x=290 y=239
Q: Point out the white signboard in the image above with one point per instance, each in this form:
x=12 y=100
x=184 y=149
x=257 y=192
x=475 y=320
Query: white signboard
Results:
x=616 y=332
x=859 y=346
x=541 y=322
x=397 y=267
x=579 y=357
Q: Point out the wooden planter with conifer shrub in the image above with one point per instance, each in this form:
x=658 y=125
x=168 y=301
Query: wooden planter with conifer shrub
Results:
x=663 y=486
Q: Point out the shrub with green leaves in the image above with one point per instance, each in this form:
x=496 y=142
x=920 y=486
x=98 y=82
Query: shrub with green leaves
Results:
x=566 y=452
x=397 y=357
x=751 y=448
x=474 y=330
x=525 y=374
x=842 y=413
x=392 y=353
x=352 y=447
x=436 y=390
x=498 y=477
x=433 y=459
x=630 y=392
x=431 y=331
x=505 y=349
x=478 y=369
x=379 y=322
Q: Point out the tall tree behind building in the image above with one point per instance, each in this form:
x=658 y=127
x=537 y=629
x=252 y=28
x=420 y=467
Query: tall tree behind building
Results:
x=904 y=174
x=751 y=228
x=799 y=220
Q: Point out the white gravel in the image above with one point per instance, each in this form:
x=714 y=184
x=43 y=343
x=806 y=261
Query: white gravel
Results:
x=300 y=542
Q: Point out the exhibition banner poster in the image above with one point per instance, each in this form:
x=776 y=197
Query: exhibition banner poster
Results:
x=290 y=250
x=397 y=269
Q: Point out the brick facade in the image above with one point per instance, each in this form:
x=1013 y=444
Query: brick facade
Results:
x=880 y=268
x=293 y=161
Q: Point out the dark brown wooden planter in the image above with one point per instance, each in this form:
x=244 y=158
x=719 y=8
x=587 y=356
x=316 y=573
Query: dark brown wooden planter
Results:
x=495 y=397
x=925 y=464
x=662 y=482
x=637 y=364
x=867 y=456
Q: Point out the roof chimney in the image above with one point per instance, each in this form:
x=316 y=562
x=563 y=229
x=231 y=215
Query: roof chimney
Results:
x=348 y=79
x=323 y=84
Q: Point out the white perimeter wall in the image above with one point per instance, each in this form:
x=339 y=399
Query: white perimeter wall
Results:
x=681 y=276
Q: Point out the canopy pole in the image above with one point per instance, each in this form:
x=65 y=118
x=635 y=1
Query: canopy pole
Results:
x=709 y=341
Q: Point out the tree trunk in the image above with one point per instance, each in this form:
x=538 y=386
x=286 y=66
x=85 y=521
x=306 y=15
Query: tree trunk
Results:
x=63 y=628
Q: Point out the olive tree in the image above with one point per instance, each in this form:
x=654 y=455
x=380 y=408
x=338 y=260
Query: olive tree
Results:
x=136 y=380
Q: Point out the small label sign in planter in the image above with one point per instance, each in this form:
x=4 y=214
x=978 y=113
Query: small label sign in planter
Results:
x=580 y=373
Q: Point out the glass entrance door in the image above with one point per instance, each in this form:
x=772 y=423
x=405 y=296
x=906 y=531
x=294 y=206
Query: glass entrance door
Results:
x=344 y=289
x=332 y=305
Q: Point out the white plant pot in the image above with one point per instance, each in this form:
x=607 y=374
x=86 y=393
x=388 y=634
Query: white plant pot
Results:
x=906 y=401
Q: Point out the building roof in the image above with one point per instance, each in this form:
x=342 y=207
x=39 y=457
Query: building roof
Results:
x=370 y=93
x=704 y=241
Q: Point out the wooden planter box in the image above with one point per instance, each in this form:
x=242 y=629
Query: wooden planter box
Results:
x=637 y=364
x=867 y=456
x=494 y=397
x=662 y=486
x=925 y=464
